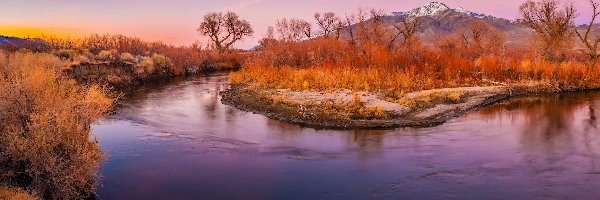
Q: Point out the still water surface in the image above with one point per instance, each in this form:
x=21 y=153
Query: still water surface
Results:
x=175 y=140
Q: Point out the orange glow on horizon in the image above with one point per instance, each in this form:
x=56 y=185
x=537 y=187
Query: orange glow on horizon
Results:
x=33 y=32
x=73 y=33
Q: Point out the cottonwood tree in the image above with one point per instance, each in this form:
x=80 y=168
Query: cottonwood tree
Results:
x=477 y=30
x=495 y=41
x=293 y=30
x=269 y=38
x=369 y=28
x=478 y=38
x=224 y=29
x=328 y=22
x=591 y=43
x=346 y=25
x=407 y=28
x=552 y=23
x=480 y=34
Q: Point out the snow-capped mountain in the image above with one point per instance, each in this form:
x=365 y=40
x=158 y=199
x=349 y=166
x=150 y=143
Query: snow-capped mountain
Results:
x=436 y=8
x=428 y=9
x=473 y=14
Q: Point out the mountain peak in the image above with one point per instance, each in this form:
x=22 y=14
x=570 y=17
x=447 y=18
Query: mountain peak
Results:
x=435 y=8
x=432 y=8
x=435 y=4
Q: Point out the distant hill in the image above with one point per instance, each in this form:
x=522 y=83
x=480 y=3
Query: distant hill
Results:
x=11 y=43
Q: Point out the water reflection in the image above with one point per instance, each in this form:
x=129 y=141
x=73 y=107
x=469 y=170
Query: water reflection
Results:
x=560 y=131
x=173 y=139
x=592 y=124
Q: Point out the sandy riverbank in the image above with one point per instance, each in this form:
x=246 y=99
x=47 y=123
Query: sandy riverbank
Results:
x=345 y=109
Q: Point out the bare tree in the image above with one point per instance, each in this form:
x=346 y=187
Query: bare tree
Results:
x=591 y=44
x=328 y=22
x=495 y=41
x=553 y=24
x=306 y=28
x=478 y=31
x=293 y=29
x=369 y=26
x=224 y=29
x=407 y=28
x=347 y=25
x=268 y=39
x=476 y=34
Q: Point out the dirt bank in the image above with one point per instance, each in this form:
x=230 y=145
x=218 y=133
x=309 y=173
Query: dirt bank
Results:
x=344 y=109
x=120 y=74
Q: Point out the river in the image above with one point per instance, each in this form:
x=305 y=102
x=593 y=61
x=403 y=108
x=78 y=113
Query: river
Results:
x=173 y=139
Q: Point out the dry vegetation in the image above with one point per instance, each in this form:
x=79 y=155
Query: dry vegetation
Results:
x=146 y=59
x=8 y=193
x=121 y=60
x=45 y=142
x=370 y=56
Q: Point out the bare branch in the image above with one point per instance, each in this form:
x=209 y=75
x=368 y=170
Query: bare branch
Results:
x=592 y=46
x=224 y=29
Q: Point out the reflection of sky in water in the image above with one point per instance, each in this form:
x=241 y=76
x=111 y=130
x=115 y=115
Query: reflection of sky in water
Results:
x=175 y=140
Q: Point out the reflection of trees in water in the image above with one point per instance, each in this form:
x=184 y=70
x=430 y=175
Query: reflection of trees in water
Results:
x=556 y=128
x=549 y=121
x=288 y=130
x=213 y=85
x=368 y=144
x=498 y=110
x=210 y=106
x=367 y=139
x=230 y=115
x=137 y=93
x=591 y=122
x=590 y=132
x=560 y=128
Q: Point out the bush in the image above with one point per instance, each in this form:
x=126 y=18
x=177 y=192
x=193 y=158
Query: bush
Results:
x=127 y=57
x=81 y=59
x=66 y=54
x=106 y=55
x=45 y=118
x=328 y=64
x=8 y=193
x=160 y=61
x=145 y=67
x=175 y=60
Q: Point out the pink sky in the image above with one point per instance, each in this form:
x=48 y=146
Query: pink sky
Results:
x=175 y=21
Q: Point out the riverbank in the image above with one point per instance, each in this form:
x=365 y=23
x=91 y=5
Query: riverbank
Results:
x=121 y=74
x=345 y=109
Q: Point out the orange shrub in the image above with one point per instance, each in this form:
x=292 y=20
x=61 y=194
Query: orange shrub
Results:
x=327 y=63
x=45 y=141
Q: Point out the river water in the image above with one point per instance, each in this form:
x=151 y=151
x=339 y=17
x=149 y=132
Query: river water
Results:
x=175 y=140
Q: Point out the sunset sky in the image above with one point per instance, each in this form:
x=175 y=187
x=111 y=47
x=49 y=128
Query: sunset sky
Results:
x=175 y=21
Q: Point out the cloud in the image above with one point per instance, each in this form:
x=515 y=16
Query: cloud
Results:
x=240 y=5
